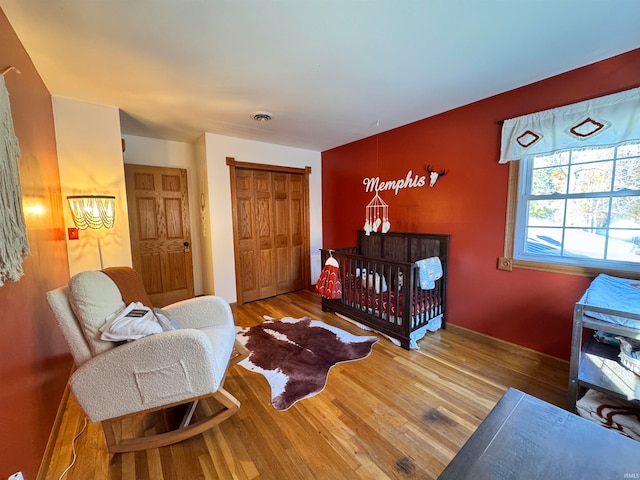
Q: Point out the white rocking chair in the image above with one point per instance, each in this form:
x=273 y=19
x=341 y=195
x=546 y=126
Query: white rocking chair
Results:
x=113 y=381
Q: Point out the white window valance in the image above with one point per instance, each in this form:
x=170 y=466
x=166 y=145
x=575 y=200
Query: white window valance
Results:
x=602 y=121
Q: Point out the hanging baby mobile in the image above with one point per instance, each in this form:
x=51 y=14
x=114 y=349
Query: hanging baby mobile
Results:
x=377 y=216
x=329 y=284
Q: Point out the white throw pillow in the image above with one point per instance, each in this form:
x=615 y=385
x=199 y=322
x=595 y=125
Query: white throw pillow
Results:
x=93 y=298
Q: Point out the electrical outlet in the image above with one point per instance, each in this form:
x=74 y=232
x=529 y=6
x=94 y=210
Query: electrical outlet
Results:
x=16 y=476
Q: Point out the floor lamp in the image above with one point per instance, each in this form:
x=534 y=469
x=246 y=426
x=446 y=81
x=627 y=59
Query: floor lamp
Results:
x=95 y=212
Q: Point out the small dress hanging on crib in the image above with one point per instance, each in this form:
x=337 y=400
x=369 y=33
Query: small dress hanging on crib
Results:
x=329 y=284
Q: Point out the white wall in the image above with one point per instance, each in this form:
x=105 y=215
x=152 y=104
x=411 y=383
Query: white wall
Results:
x=90 y=162
x=217 y=149
x=165 y=153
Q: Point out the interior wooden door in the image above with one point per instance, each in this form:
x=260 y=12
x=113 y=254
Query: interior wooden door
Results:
x=270 y=230
x=158 y=204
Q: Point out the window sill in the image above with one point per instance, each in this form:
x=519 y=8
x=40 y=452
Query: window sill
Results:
x=508 y=264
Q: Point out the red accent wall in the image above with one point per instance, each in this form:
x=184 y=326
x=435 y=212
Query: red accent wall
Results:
x=35 y=362
x=527 y=307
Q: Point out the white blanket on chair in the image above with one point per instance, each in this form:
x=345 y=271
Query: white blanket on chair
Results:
x=134 y=322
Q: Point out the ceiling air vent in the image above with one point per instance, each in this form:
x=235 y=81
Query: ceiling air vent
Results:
x=261 y=116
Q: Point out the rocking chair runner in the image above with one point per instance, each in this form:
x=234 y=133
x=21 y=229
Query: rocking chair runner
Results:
x=113 y=380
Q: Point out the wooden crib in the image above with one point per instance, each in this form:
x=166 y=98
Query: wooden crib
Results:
x=381 y=286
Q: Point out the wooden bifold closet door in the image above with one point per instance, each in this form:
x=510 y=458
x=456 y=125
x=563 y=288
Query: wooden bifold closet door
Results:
x=270 y=229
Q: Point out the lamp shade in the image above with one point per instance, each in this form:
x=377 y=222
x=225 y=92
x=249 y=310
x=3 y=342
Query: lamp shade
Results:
x=93 y=211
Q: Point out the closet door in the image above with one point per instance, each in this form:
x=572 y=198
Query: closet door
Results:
x=297 y=228
x=270 y=229
x=256 y=256
x=288 y=199
x=282 y=232
x=267 y=258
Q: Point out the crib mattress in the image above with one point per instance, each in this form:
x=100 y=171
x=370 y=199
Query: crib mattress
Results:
x=615 y=293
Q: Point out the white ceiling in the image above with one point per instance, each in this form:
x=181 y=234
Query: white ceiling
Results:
x=330 y=71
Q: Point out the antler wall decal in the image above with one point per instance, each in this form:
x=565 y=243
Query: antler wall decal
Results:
x=434 y=175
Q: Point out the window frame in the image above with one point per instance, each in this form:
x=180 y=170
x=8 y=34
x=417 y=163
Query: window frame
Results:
x=508 y=262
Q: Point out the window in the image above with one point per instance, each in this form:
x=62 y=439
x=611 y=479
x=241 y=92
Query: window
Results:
x=574 y=187
x=580 y=207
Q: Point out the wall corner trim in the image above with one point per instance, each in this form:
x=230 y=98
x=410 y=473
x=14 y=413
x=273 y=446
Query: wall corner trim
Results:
x=505 y=263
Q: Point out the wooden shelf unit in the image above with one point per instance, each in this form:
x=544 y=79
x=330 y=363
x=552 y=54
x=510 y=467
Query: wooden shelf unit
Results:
x=596 y=365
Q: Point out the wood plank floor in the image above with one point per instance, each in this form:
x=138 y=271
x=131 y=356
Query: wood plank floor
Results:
x=397 y=414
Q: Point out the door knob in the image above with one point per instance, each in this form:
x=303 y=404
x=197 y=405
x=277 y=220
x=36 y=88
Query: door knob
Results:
x=186 y=244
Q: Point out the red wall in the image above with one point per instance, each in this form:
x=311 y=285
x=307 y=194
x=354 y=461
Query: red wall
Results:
x=35 y=363
x=530 y=308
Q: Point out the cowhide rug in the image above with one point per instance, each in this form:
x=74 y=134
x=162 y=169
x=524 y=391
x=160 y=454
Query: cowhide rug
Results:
x=295 y=355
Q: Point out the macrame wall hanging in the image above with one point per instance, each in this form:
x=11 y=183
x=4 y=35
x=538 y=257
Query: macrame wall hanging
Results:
x=14 y=244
